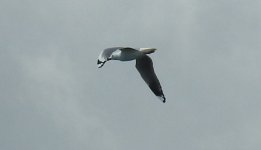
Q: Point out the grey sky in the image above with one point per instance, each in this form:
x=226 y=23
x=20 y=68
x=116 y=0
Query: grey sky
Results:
x=53 y=96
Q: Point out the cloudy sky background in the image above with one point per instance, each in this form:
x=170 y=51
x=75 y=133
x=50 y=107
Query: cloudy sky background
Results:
x=53 y=96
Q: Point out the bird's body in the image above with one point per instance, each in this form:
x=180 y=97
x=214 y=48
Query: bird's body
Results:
x=126 y=54
x=143 y=64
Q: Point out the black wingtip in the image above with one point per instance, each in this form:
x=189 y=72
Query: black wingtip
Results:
x=164 y=99
x=100 y=63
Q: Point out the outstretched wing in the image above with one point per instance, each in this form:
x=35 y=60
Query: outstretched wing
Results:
x=105 y=54
x=144 y=65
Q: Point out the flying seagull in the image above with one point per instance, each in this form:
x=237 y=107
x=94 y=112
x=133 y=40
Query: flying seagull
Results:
x=143 y=64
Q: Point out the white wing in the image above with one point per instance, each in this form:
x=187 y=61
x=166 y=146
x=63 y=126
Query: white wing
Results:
x=144 y=65
x=105 y=54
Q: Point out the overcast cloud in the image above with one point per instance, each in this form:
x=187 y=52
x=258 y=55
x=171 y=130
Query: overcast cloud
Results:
x=53 y=96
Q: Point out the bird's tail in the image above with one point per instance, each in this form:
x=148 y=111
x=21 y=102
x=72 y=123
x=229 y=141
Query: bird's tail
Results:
x=148 y=50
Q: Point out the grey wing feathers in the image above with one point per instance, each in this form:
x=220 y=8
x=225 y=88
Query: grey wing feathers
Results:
x=144 y=65
x=105 y=54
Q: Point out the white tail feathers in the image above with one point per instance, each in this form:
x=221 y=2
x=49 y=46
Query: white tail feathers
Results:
x=148 y=50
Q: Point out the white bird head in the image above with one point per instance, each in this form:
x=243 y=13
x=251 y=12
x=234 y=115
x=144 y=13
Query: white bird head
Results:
x=148 y=50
